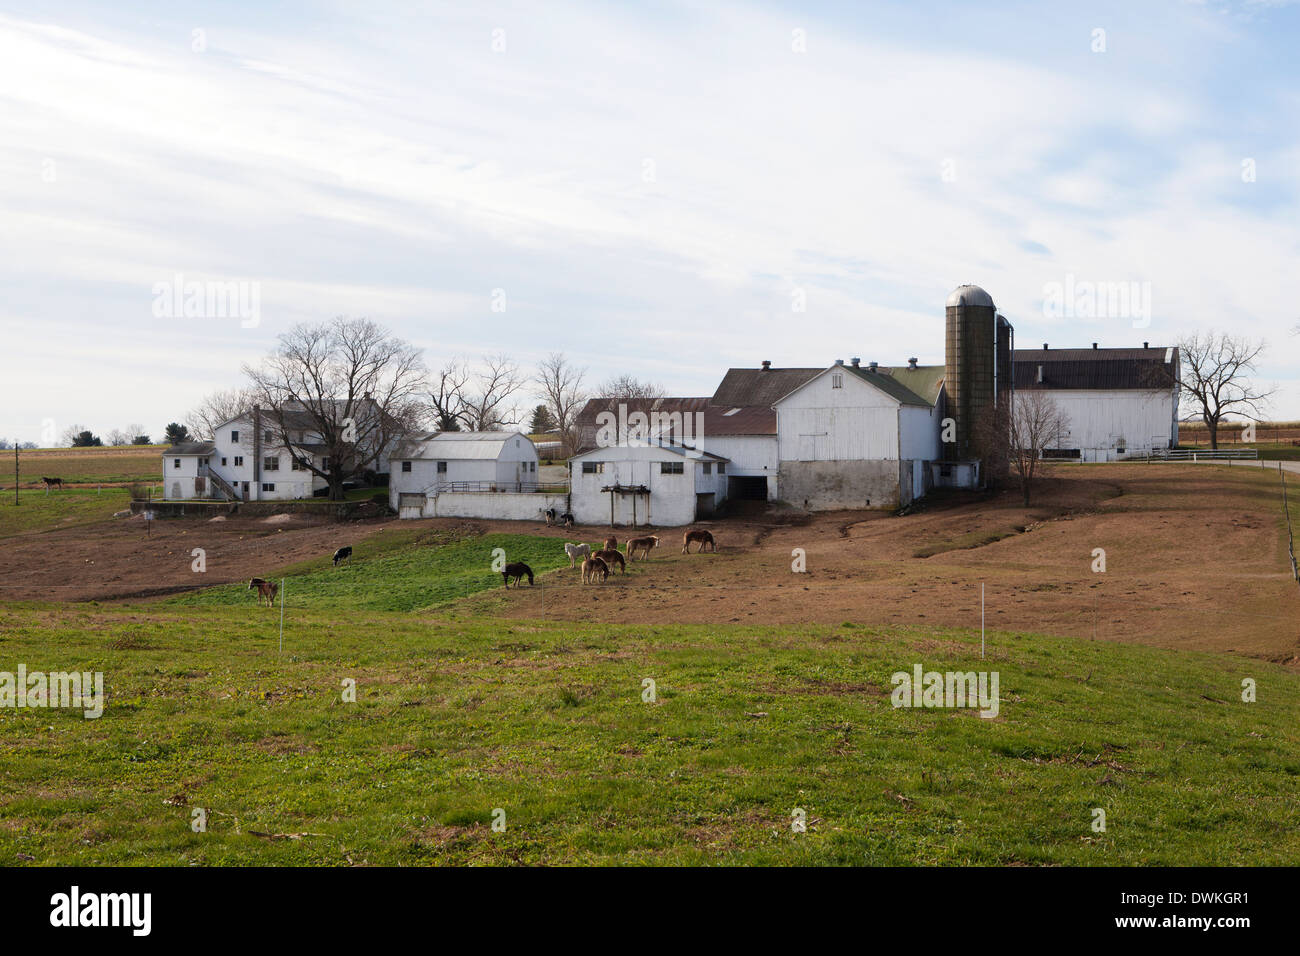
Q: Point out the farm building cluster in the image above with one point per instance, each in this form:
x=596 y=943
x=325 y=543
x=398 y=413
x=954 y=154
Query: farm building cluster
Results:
x=849 y=435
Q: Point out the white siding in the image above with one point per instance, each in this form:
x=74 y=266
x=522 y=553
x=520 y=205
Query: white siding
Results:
x=821 y=423
x=1099 y=419
x=920 y=433
x=672 y=497
x=749 y=454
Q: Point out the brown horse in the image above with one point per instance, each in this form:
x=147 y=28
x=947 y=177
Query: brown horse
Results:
x=703 y=537
x=266 y=591
x=592 y=567
x=641 y=544
x=612 y=556
x=611 y=543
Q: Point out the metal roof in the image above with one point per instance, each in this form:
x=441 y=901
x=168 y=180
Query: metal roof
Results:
x=451 y=446
x=739 y=420
x=191 y=448
x=1149 y=368
x=970 y=295
x=758 y=386
x=923 y=380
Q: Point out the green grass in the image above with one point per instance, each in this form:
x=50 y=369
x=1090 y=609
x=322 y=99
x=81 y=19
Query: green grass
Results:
x=455 y=717
x=38 y=511
x=398 y=577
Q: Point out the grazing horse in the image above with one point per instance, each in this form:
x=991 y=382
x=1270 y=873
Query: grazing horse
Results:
x=517 y=570
x=266 y=591
x=342 y=553
x=574 y=551
x=592 y=567
x=703 y=537
x=52 y=482
x=611 y=556
x=643 y=545
x=611 y=543
x=551 y=516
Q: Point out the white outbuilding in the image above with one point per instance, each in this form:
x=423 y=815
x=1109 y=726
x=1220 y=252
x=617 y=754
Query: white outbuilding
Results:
x=466 y=474
x=637 y=484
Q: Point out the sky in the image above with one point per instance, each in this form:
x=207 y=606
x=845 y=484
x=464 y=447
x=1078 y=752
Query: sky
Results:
x=666 y=190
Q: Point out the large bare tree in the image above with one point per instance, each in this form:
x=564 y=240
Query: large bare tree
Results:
x=1035 y=423
x=447 y=395
x=1217 y=370
x=559 y=384
x=216 y=409
x=348 y=386
x=487 y=399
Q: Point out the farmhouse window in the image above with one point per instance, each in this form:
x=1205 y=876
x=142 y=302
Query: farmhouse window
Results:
x=708 y=468
x=406 y=466
x=837 y=380
x=593 y=467
x=297 y=467
x=722 y=467
x=442 y=467
x=223 y=463
x=234 y=438
x=945 y=471
x=671 y=468
x=266 y=434
x=239 y=461
x=268 y=486
x=271 y=463
x=177 y=464
x=532 y=466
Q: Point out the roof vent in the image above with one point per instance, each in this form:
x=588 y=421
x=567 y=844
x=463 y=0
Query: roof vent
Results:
x=839 y=361
x=1146 y=345
x=1094 y=345
x=911 y=363
x=1044 y=346
x=855 y=362
x=872 y=366
x=766 y=365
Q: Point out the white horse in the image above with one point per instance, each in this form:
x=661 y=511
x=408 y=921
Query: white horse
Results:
x=576 y=550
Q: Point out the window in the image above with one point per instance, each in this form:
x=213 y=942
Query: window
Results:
x=268 y=486
x=239 y=461
x=671 y=468
x=177 y=463
x=837 y=380
x=293 y=463
x=593 y=467
x=325 y=465
x=945 y=471
x=271 y=464
x=722 y=467
x=406 y=466
x=266 y=434
x=234 y=438
x=532 y=466
x=708 y=468
x=442 y=467
x=223 y=463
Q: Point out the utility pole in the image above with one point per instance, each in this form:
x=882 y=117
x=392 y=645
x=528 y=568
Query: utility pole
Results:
x=15 y=473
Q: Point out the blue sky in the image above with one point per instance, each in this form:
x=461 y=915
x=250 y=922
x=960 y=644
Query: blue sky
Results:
x=653 y=188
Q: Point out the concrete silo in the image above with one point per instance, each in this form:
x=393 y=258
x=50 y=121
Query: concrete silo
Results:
x=978 y=345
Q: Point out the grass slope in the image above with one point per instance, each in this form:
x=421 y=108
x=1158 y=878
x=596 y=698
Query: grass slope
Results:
x=38 y=510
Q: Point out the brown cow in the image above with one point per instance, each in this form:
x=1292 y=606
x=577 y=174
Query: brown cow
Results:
x=592 y=567
x=641 y=544
x=703 y=537
x=266 y=591
x=612 y=556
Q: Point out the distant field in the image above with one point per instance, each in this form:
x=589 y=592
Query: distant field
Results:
x=84 y=465
x=40 y=511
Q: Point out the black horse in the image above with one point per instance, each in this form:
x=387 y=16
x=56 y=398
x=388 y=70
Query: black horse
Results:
x=342 y=553
x=517 y=571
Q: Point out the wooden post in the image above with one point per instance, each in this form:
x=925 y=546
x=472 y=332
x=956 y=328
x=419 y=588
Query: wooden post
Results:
x=15 y=472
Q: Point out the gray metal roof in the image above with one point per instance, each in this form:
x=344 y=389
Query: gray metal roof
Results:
x=1149 y=368
x=451 y=446
x=970 y=295
x=191 y=448
x=758 y=386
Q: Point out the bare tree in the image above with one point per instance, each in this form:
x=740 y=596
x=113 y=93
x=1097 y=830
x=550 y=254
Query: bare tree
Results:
x=216 y=409
x=1035 y=423
x=487 y=404
x=625 y=386
x=70 y=434
x=348 y=386
x=1216 y=370
x=118 y=437
x=447 y=395
x=559 y=384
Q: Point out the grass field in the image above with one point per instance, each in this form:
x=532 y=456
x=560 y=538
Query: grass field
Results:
x=38 y=510
x=114 y=464
x=471 y=699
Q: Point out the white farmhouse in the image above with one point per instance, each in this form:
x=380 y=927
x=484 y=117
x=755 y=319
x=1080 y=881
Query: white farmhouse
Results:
x=468 y=475
x=1118 y=402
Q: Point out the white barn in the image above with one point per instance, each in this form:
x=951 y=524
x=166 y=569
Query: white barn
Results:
x=1118 y=402
x=467 y=474
x=637 y=484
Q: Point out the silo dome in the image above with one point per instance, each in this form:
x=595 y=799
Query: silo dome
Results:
x=970 y=295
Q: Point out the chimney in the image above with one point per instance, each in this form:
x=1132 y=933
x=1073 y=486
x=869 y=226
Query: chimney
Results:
x=856 y=362
x=1146 y=345
x=839 y=361
x=1044 y=346
x=911 y=363
x=767 y=366
x=1094 y=345
x=872 y=366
